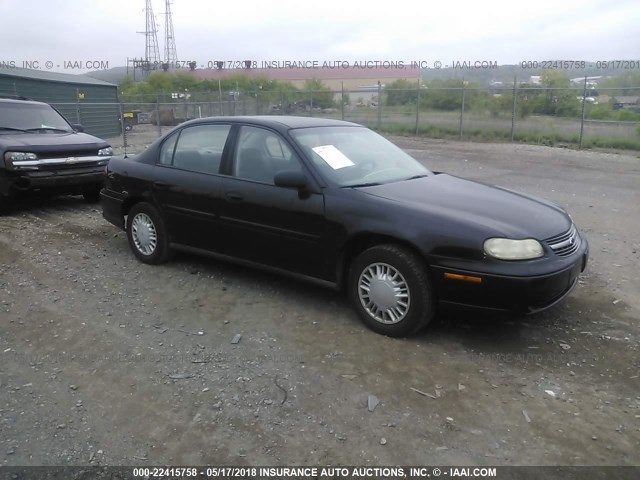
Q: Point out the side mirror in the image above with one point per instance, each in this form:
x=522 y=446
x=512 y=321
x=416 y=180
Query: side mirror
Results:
x=290 y=179
x=77 y=127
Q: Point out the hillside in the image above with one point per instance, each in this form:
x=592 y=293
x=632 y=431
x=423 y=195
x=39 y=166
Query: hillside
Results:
x=484 y=76
x=113 y=75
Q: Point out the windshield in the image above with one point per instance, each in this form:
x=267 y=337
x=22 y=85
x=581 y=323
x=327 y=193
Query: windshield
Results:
x=31 y=117
x=356 y=156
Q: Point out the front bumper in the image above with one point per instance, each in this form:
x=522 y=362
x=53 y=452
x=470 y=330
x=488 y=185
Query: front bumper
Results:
x=69 y=179
x=523 y=294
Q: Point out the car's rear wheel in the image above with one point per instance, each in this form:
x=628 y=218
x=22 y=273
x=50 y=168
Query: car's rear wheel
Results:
x=390 y=289
x=147 y=234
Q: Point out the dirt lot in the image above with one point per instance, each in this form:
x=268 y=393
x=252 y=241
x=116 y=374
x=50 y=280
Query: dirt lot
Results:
x=109 y=361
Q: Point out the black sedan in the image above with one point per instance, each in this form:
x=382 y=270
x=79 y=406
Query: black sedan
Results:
x=336 y=203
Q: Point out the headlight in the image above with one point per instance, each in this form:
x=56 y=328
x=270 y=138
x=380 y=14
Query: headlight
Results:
x=19 y=156
x=507 y=249
x=105 y=152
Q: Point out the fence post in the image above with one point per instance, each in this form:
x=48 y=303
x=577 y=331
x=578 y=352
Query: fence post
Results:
x=513 y=107
x=418 y=107
x=257 y=102
x=311 y=103
x=220 y=98
x=342 y=99
x=462 y=107
x=379 y=122
x=158 y=115
x=186 y=107
x=122 y=127
x=78 y=119
x=282 y=108
x=584 y=101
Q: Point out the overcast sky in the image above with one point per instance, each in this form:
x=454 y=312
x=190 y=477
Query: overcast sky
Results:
x=206 y=30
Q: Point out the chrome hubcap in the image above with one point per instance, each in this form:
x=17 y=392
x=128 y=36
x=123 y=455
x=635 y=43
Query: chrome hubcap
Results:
x=384 y=293
x=144 y=234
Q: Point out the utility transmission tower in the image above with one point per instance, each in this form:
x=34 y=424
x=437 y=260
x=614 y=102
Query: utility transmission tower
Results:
x=151 y=49
x=170 y=53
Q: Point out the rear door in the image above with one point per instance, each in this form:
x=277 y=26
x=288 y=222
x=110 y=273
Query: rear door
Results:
x=187 y=183
x=263 y=223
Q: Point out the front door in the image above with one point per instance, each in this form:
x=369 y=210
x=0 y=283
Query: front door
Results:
x=264 y=223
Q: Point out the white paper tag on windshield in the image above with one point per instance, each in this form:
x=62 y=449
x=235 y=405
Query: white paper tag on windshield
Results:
x=334 y=157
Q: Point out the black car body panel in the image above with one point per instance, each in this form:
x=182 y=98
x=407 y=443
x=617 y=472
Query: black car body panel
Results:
x=316 y=231
x=497 y=211
x=273 y=226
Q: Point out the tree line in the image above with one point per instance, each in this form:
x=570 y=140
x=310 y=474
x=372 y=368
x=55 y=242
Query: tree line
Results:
x=313 y=93
x=555 y=94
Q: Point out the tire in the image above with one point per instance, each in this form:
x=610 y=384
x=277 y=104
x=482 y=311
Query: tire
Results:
x=92 y=196
x=147 y=234
x=402 y=301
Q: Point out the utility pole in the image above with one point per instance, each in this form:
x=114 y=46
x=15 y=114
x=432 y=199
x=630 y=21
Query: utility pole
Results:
x=170 y=52
x=151 y=50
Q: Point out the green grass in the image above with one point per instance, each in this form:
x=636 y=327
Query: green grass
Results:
x=533 y=137
x=536 y=130
x=478 y=126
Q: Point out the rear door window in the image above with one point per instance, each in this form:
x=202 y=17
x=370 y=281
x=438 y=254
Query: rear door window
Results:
x=196 y=149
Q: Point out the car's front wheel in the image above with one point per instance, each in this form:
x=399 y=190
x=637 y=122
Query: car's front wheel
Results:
x=147 y=234
x=390 y=289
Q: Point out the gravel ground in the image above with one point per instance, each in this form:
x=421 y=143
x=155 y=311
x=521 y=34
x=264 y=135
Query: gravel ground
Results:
x=107 y=361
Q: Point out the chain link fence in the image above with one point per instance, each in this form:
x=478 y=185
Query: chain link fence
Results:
x=578 y=116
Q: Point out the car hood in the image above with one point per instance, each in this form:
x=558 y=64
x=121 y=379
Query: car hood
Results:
x=501 y=211
x=39 y=141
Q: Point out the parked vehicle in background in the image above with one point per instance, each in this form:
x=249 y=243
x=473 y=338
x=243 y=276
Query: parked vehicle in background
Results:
x=337 y=203
x=41 y=151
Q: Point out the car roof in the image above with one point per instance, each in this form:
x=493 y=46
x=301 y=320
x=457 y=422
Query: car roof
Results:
x=21 y=101
x=277 y=121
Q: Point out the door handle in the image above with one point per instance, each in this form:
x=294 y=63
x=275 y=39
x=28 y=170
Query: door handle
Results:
x=161 y=185
x=234 y=197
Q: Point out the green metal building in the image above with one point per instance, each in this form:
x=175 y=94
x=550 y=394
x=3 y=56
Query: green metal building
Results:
x=81 y=99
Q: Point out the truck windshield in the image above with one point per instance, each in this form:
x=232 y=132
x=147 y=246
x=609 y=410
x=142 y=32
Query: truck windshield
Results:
x=33 y=117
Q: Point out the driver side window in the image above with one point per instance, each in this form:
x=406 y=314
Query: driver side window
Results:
x=260 y=154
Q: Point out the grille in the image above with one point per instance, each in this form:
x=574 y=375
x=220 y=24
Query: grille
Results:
x=566 y=243
x=69 y=166
x=67 y=153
